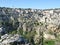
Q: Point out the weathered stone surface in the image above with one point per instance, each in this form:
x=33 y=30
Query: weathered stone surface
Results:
x=2 y=30
x=8 y=39
x=28 y=20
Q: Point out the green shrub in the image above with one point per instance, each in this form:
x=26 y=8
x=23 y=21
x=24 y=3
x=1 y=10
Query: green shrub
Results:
x=14 y=32
x=20 y=32
x=49 y=42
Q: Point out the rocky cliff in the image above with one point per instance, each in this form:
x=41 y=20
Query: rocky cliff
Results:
x=17 y=19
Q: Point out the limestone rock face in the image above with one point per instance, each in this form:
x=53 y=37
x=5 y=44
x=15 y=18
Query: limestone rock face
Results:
x=49 y=36
x=13 y=19
x=15 y=39
x=24 y=26
x=2 y=30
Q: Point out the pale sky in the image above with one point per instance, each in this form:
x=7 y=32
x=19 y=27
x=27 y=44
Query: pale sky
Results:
x=38 y=4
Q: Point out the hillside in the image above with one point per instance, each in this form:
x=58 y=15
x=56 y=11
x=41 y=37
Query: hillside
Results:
x=28 y=23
